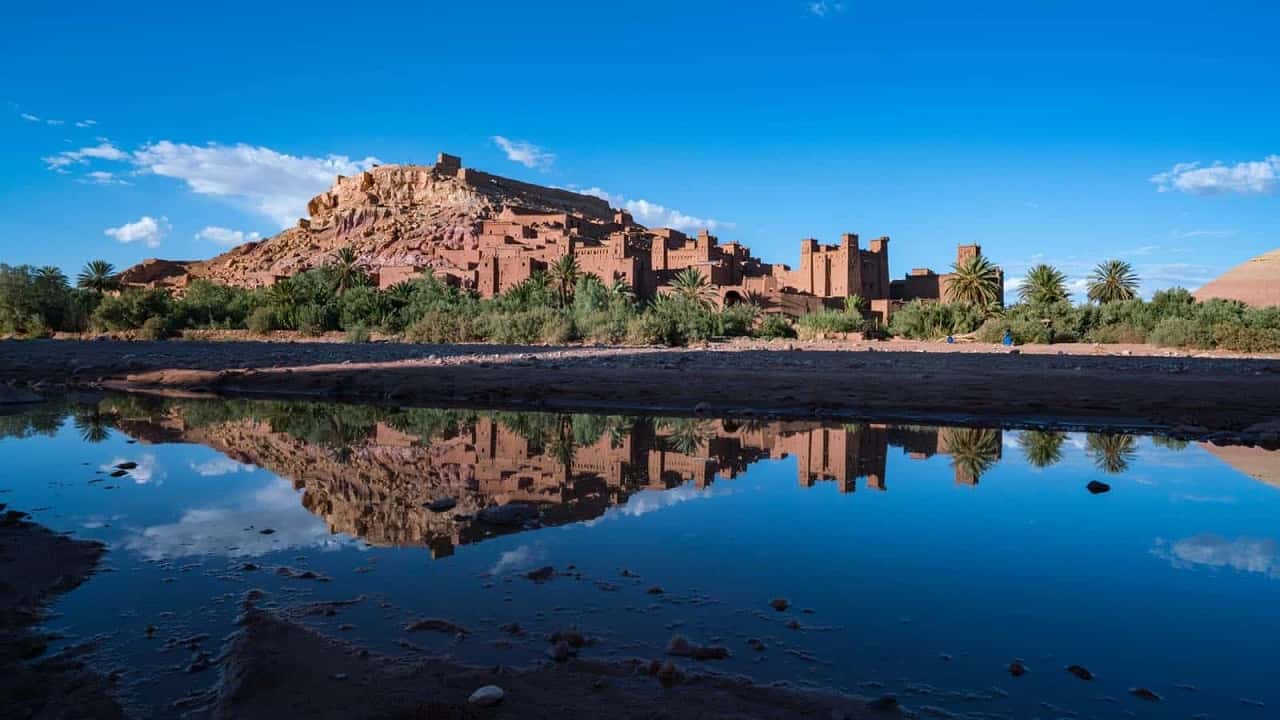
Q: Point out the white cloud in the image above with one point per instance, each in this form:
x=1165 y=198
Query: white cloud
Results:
x=821 y=8
x=104 y=150
x=145 y=471
x=224 y=529
x=525 y=153
x=148 y=230
x=55 y=123
x=1206 y=233
x=267 y=182
x=220 y=466
x=86 y=123
x=1246 y=554
x=1246 y=178
x=652 y=214
x=226 y=237
x=102 y=177
x=29 y=117
x=523 y=557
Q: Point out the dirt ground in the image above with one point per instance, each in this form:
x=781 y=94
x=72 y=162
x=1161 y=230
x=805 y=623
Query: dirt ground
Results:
x=274 y=668
x=1129 y=387
x=36 y=566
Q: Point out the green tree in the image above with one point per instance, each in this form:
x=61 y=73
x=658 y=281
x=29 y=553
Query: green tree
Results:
x=973 y=451
x=975 y=281
x=1112 y=453
x=563 y=276
x=854 y=304
x=51 y=277
x=1113 y=281
x=346 y=270
x=1043 y=285
x=99 y=276
x=1041 y=448
x=691 y=285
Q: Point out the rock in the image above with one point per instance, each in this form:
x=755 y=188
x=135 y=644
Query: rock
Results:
x=512 y=628
x=487 y=696
x=266 y=531
x=884 y=703
x=1097 y=487
x=436 y=625
x=655 y=590
x=560 y=651
x=126 y=465
x=509 y=514
x=1017 y=669
x=1145 y=694
x=779 y=604
x=441 y=504
x=572 y=636
x=542 y=574
x=679 y=646
x=756 y=644
x=1080 y=672
x=670 y=675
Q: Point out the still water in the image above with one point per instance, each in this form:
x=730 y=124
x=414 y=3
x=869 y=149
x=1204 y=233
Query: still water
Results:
x=919 y=561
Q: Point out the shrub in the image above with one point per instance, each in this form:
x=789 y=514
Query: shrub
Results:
x=1182 y=332
x=362 y=306
x=357 y=334
x=826 y=322
x=1122 y=332
x=130 y=309
x=445 y=326
x=737 y=320
x=154 y=328
x=262 y=320
x=312 y=320
x=921 y=320
x=1242 y=338
x=209 y=305
x=775 y=326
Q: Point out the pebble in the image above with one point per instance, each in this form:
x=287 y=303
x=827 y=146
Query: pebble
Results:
x=779 y=604
x=487 y=696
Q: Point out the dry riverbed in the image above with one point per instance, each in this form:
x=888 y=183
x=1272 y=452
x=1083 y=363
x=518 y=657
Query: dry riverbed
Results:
x=1227 y=398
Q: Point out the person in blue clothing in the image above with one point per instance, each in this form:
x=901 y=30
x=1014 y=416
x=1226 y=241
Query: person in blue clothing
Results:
x=1008 y=338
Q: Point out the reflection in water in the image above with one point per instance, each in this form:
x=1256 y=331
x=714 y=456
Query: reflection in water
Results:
x=372 y=472
x=1246 y=554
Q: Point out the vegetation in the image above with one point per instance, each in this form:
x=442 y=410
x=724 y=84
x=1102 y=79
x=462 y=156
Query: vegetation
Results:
x=567 y=305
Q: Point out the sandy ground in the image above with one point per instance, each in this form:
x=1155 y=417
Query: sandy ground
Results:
x=36 y=566
x=1194 y=396
x=274 y=668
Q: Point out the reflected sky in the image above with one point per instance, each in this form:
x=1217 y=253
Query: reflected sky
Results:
x=926 y=558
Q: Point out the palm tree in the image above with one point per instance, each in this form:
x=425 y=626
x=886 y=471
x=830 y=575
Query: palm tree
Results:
x=1044 y=284
x=692 y=285
x=1112 y=453
x=1112 y=281
x=92 y=425
x=98 y=275
x=346 y=269
x=1042 y=448
x=973 y=451
x=621 y=293
x=50 y=276
x=687 y=435
x=563 y=275
x=854 y=304
x=975 y=281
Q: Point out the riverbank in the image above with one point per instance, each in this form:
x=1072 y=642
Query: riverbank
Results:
x=36 y=566
x=1228 y=398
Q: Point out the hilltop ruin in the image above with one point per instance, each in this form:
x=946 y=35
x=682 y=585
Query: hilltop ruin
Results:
x=488 y=233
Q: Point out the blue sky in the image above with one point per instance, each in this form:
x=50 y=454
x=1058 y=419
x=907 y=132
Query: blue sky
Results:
x=1068 y=132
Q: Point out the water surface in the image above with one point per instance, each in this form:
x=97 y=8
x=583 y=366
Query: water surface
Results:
x=917 y=560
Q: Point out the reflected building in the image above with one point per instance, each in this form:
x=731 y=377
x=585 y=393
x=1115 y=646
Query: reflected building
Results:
x=377 y=478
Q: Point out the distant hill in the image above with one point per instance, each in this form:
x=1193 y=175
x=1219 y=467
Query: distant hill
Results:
x=1254 y=282
x=391 y=215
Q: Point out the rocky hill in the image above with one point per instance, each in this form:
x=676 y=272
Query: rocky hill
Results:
x=1254 y=282
x=390 y=215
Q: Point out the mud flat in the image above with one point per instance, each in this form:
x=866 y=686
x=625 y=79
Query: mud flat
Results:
x=37 y=565
x=1232 y=399
x=275 y=668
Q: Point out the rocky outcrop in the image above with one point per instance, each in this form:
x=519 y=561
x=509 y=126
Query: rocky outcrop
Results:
x=1253 y=282
x=391 y=215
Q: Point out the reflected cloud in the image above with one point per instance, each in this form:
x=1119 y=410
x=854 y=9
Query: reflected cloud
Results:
x=233 y=530
x=521 y=558
x=1247 y=554
x=146 y=471
x=220 y=466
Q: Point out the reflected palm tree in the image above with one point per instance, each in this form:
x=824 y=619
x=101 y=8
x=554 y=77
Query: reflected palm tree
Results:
x=1169 y=443
x=973 y=451
x=1041 y=448
x=92 y=425
x=1112 y=453
x=685 y=435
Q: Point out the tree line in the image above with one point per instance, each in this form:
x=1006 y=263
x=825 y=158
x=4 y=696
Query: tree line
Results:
x=565 y=304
